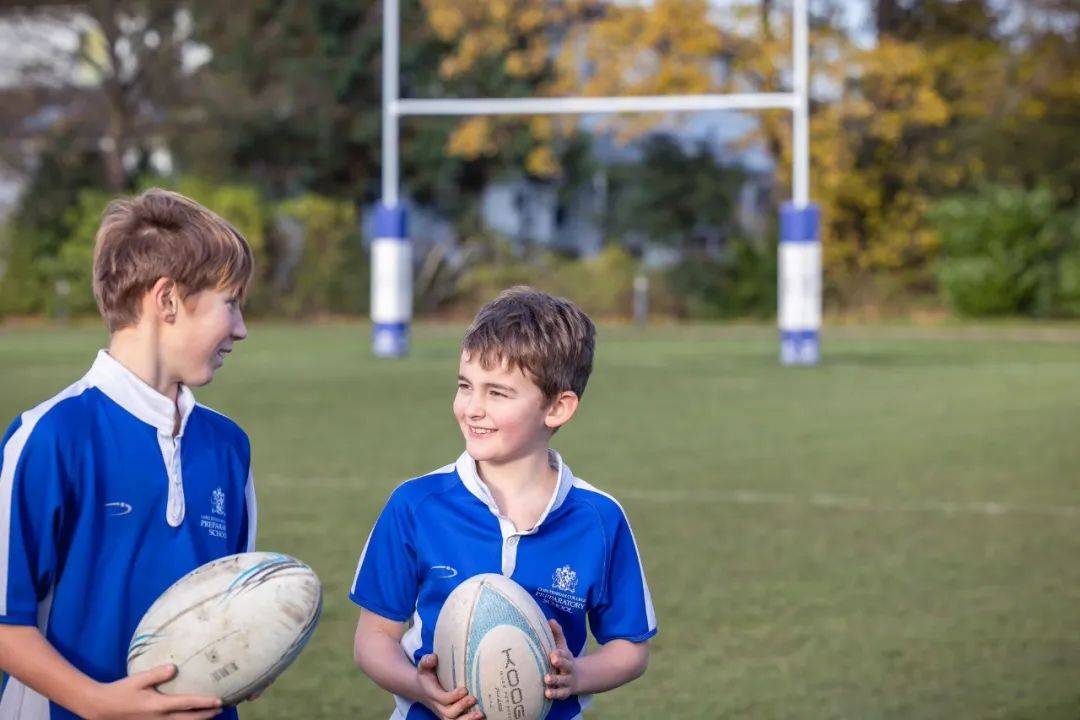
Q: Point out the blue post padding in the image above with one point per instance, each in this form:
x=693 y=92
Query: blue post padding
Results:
x=390 y=222
x=799 y=224
x=390 y=339
x=800 y=347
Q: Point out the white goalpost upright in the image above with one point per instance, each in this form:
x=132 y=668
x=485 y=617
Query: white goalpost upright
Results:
x=799 y=279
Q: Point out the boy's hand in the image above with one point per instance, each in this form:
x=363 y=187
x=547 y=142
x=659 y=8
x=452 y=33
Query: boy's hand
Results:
x=561 y=682
x=136 y=698
x=445 y=705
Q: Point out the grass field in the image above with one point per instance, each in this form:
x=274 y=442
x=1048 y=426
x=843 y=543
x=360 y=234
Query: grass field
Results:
x=895 y=534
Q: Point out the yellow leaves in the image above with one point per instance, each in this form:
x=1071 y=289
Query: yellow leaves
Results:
x=526 y=63
x=541 y=127
x=499 y=10
x=928 y=108
x=95 y=62
x=1032 y=108
x=542 y=163
x=514 y=30
x=530 y=20
x=516 y=64
x=445 y=17
x=668 y=47
x=483 y=136
x=472 y=139
x=898 y=81
x=685 y=25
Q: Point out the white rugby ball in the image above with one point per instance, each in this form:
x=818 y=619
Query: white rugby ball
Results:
x=230 y=626
x=492 y=638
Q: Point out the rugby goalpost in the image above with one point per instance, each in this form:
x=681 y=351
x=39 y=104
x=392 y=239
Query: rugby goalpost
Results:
x=799 y=274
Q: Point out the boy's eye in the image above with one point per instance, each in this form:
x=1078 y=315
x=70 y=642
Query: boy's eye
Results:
x=496 y=393
x=462 y=386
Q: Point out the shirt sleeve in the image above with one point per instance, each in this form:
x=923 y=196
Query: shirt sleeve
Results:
x=625 y=611
x=386 y=580
x=31 y=519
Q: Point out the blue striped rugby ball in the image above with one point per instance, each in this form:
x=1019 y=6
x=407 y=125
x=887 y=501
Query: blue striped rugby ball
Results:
x=492 y=638
x=230 y=626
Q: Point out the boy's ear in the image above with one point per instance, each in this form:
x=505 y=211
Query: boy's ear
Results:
x=165 y=299
x=561 y=409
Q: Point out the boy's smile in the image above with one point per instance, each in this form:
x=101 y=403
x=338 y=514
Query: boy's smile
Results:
x=208 y=323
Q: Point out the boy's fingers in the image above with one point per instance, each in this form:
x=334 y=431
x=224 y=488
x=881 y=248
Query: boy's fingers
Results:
x=461 y=695
x=429 y=662
x=561 y=661
x=556 y=630
x=556 y=681
x=458 y=708
x=470 y=715
x=181 y=703
x=155 y=676
x=444 y=698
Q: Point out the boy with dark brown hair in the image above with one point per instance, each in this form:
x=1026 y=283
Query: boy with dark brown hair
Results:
x=508 y=505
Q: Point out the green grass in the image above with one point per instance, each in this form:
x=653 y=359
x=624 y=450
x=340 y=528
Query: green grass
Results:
x=817 y=540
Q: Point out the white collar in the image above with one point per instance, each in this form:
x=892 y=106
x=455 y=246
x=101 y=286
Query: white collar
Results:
x=130 y=392
x=470 y=477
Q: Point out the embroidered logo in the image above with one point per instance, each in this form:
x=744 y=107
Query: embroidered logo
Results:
x=214 y=523
x=563 y=593
x=443 y=572
x=217 y=500
x=564 y=579
x=116 y=509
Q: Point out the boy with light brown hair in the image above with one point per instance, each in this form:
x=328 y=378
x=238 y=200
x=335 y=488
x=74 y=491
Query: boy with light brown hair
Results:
x=120 y=484
x=510 y=505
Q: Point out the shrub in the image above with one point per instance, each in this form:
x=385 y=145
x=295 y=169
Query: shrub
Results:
x=328 y=272
x=740 y=283
x=1007 y=251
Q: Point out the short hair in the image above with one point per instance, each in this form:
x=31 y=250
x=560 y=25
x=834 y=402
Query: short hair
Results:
x=549 y=338
x=163 y=234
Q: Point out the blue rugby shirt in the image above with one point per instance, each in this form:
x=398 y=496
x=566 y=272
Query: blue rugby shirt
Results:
x=580 y=563
x=102 y=508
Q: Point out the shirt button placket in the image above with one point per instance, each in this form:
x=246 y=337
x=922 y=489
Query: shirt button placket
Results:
x=175 y=507
x=509 y=555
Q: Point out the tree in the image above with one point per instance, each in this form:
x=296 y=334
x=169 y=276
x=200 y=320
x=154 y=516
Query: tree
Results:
x=127 y=58
x=682 y=197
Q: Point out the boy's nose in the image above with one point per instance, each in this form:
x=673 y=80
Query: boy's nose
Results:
x=239 y=331
x=475 y=407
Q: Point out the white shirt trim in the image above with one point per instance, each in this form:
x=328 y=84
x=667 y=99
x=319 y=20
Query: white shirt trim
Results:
x=650 y=613
x=130 y=392
x=511 y=535
x=12 y=451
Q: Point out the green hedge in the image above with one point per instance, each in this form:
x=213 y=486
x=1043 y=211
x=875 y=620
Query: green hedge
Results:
x=1004 y=251
x=47 y=270
x=1009 y=251
x=741 y=282
x=603 y=285
x=331 y=274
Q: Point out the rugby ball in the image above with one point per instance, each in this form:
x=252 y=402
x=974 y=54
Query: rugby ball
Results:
x=492 y=638
x=231 y=626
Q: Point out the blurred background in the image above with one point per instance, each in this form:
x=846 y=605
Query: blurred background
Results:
x=893 y=534
x=943 y=141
